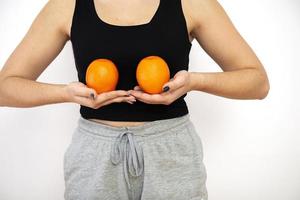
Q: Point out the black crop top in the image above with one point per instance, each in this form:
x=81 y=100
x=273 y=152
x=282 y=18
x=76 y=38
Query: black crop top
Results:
x=165 y=35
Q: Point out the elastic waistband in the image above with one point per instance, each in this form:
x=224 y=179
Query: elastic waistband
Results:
x=156 y=127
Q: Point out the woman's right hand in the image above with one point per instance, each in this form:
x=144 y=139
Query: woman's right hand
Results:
x=78 y=92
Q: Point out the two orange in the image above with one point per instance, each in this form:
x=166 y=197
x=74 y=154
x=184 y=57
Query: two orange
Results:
x=152 y=73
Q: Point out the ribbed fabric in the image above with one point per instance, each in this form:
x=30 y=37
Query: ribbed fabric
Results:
x=164 y=35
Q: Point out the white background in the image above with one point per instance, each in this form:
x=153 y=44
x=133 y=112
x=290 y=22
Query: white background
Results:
x=251 y=147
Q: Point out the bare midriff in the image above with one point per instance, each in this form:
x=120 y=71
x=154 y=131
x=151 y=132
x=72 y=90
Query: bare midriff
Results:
x=117 y=123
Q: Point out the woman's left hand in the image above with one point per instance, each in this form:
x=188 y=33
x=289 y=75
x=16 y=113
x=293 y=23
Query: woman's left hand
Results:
x=178 y=85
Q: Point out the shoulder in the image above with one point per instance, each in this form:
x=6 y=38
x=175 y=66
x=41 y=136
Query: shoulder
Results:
x=61 y=13
x=199 y=10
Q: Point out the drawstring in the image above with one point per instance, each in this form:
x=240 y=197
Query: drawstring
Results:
x=125 y=147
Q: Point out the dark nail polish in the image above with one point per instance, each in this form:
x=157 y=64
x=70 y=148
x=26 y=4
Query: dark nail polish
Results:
x=92 y=95
x=166 y=88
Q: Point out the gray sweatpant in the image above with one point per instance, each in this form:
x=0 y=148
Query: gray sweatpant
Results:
x=158 y=160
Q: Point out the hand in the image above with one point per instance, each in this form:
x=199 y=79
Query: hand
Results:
x=78 y=92
x=179 y=85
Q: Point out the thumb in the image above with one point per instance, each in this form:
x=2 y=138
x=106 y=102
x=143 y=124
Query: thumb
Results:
x=93 y=94
x=174 y=83
x=137 y=88
x=86 y=92
x=166 y=87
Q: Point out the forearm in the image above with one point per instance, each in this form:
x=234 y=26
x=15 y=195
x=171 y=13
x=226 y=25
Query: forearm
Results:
x=238 y=84
x=20 y=92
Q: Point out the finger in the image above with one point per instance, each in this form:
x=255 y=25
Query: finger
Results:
x=118 y=100
x=160 y=98
x=130 y=102
x=91 y=103
x=148 y=102
x=84 y=101
x=117 y=93
x=147 y=98
x=173 y=84
x=175 y=94
x=111 y=95
x=86 y=92
x=81 y=84
x=137 y=88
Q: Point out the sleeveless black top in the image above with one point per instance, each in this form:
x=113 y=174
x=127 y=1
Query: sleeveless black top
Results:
x=166 y=35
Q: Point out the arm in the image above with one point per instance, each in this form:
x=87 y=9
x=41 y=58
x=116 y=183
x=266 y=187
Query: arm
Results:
x=41 y=44
x=243 y=75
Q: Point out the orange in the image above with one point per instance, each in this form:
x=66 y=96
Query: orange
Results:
x=152 y=73
x=102 y=75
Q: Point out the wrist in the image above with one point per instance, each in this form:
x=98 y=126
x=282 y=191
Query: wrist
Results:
x=64 y=93
x=196 y=79
x=192 y=81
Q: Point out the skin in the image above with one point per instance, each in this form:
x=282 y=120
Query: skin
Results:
x=243 y=75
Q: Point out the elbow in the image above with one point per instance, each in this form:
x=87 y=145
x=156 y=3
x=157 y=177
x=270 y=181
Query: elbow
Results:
x=264 y=89
x=261 y=85
x=1 y=95
x=264 y=92
x=1 y=92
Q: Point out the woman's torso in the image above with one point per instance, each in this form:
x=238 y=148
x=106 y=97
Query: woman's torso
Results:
x=129 y=15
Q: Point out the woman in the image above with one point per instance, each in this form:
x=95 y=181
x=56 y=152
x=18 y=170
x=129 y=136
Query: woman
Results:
x=129 y=144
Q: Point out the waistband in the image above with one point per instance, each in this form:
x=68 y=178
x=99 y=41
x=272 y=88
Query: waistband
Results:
x=151 y=128
x=125 y=147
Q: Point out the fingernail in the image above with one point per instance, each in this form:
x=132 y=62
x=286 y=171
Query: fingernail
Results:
x=166 y=88
x=92 y=95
